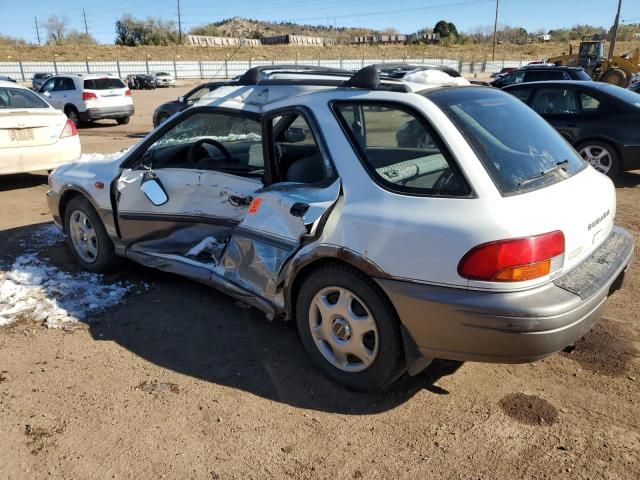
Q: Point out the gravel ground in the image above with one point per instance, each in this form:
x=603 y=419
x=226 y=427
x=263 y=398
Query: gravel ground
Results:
x=175 y=380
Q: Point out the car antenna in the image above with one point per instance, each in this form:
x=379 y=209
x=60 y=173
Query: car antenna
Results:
x=227 y=60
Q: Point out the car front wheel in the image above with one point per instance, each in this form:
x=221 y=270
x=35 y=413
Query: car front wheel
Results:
x=122 y=120
x=90 y=245
x=349 y=329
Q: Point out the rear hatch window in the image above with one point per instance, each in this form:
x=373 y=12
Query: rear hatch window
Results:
x=518 y=148
x=103 y=84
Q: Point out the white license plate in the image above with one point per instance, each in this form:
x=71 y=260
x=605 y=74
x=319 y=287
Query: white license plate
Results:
x=21 y=135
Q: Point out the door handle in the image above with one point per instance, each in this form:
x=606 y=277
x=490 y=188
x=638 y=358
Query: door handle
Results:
x=299 y=209
x=239 y=201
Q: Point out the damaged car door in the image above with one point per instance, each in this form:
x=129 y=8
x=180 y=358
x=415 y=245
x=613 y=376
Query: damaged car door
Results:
x=288 y=212
x=179 y=199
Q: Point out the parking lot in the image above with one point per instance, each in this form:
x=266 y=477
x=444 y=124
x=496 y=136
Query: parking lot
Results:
x=175 y=380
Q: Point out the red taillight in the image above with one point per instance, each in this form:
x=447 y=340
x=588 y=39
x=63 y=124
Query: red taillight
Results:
x=69 y=129
x=89 y=96
x=127 y=93
x=513 y=260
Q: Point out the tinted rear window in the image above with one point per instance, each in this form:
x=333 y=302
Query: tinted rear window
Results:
x=103 y=84
x=514 y=143
x=20 y=98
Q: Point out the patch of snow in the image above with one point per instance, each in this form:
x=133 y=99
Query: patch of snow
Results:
x=34 y=289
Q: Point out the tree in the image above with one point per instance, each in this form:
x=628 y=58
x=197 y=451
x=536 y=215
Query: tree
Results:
x=57 y=28
x=445 y=29
x=152 y=31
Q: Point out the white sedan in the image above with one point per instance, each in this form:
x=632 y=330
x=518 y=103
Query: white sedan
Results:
x=33 y=135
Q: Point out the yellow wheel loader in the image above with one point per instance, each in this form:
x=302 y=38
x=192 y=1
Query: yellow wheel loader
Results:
x=616 y=70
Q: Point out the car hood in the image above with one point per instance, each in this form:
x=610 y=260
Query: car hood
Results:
x=91 y=167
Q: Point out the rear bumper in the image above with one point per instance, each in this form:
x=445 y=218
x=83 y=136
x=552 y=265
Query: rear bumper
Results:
x=44 y=157
x=107 y=112
x=512 y=327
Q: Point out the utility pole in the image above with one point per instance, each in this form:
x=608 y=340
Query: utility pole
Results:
x=84 y=16
x=495 y=33
x=37 y=30
x=179 y=25
x=614 y=32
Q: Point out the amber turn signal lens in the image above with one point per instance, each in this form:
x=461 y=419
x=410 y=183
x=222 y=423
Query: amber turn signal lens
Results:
x=525 y=272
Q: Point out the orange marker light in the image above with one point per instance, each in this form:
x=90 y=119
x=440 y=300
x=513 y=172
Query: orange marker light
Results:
x=99 y=185
x=254 y=206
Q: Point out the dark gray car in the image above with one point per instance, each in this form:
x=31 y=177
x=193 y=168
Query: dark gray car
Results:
x=541 y=73
x=165 y=110
x=599 y=119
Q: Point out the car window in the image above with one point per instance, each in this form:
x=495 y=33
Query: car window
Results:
x=579 y=75
x=545 y=75
x=66 y=84
x=210 y=141
x=555 y=100
x=515 y=77
x=103 y=84
x=20 y=98
x=399 y=150
x=197 y=95
x=297 y=153
x=589 y=103
x=521 y=93
x=513 y=143
x=48 y=85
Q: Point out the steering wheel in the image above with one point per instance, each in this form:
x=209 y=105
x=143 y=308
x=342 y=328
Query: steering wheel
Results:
x=193 y=149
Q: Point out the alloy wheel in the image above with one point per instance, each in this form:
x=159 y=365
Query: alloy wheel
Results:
x=343 y=329
x=598 y=157
x=83 y=236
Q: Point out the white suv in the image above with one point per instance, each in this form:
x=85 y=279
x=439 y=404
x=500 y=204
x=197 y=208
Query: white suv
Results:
x=85 y=98
x=164 y=79
x=490 y=240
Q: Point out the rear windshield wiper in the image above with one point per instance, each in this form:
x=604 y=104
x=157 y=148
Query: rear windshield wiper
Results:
x=558 y=166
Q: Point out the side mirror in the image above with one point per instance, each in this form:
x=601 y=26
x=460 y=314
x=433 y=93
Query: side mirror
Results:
x=45 y=93
x=181 y=99
x=153 y=189
x=295 y=135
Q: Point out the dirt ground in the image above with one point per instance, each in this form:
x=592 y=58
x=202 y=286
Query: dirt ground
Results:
x=181 y=382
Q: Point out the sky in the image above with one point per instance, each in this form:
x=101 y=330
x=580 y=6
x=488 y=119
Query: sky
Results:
x=18 y=17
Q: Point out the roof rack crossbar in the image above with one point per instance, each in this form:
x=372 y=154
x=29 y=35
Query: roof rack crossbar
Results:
x=254 y=75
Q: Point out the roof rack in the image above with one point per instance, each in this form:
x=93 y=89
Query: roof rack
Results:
x=366 y=78
x=254 y=75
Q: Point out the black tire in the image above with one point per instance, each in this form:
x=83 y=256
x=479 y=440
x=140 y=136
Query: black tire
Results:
x=615 y=76
x=615 y=164
x=123 y=120
x=162 y=117
x=106 y=258
x=388 y=365
x=73 y=115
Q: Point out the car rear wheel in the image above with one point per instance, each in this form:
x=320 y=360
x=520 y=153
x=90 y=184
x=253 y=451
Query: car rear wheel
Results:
x=73 y=115
x=601 y=156
x=90 y=245
x=349 y=329
x=122 y=120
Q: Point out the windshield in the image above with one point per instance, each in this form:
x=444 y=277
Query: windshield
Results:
x=20 y=98
x=519 y=149
x=162 y=74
